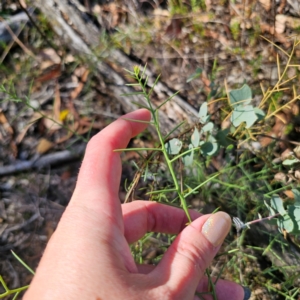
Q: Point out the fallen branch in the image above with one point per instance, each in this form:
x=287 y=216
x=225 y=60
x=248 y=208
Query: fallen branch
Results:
x=14 y=23
x=7 y=231
x=75 y=29
x=44 y=161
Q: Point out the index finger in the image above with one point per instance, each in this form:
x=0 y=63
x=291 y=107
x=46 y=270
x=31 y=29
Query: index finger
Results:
x=99 y=177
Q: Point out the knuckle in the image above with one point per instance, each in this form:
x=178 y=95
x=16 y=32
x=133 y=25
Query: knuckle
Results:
x=94 y=140
x=195 y=253
x=163 y=292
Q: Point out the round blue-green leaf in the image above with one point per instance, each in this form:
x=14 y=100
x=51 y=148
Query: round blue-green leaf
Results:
x=195 y=138
x=242 y=114
x=222 y=137
x=270 y=209
x=277 y=204
x=203 y=117
x=296 y=196
x=285 y=223
x=259 y=113
x=240 y=96
x=210 y=147
x=208 y=127
x=294 y=214
x=173 y=146
x=187 y=159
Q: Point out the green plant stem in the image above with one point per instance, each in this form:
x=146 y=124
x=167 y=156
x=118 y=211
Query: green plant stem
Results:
x=160 y=191
x=278 y=190
x=201 y=184
x=174 y=129
x=155 y=117
x=14 y=291
x=11 y=292
x=137 y=149
x=171 y=169
x=138 y=121
x=229 y=185
x=227 y=252
x=22 y=263
x=4 y=284
x=211 y=285
x=184 y=153
x=271 y=244
x=287 y=297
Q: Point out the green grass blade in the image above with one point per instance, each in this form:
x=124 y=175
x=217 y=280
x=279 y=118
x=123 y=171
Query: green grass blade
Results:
x=22 y=262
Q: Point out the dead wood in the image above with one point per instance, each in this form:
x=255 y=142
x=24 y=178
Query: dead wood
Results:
x=14 y=23
x=44 y=161
x=78 y=33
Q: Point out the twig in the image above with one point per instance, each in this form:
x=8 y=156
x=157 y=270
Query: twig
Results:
x=19 y=226
x=240 y=225
x=46 y=160
x=17 y=40
x=38 y=29
x=279 y=139
x=7 y=49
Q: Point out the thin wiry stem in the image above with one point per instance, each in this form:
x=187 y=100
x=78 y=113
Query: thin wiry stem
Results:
x=240 y=225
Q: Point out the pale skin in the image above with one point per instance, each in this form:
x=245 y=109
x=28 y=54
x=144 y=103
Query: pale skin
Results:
x=88 y=256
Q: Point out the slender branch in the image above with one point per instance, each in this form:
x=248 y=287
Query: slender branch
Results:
x=261 y=220
x=38 y=29
x=46 y=160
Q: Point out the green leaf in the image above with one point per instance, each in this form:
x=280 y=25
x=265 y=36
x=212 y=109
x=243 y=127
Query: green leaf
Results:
x=195 y=138
x=210 y=147
x=240 y=96
x=294 y=213
x=167 y=100
x=296 y=196
x=277 y=203
x=136 y=70
x=22 y=262
x=285 y=223
x=242 y=114
x=222 y=137
x=259 y=113
x=290 y=161
x=173 y=146
x=208 y=127
x=229 y=148
x=174 y=129
x=187 y=159
x=203 y=113
x=140 y=105
x=197 y=73
x=270 y=209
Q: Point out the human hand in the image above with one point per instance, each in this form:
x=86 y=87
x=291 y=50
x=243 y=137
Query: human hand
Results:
x=88 y=256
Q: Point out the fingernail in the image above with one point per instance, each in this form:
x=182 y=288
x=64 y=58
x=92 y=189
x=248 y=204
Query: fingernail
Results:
x=247 y=293
x=217 y=227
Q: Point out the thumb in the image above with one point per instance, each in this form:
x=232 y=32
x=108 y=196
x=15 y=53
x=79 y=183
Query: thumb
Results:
x=184 y=264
